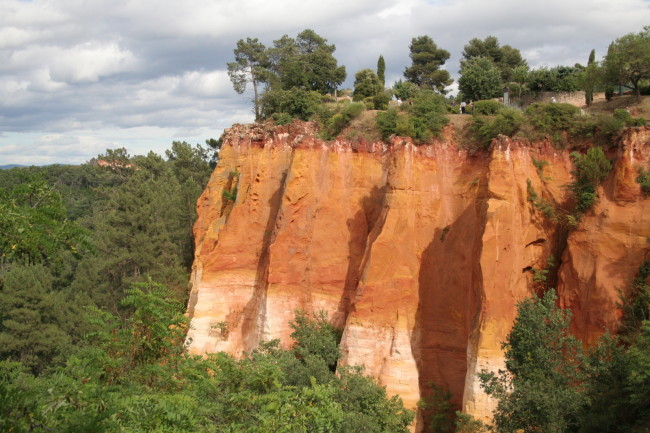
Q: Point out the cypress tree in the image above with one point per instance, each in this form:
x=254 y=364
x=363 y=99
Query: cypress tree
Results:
x=381 y=70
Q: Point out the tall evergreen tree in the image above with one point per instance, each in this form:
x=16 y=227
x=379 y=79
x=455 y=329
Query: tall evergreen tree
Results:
x=381 y=70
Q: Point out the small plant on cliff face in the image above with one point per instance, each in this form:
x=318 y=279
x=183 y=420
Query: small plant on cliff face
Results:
x=444 y=233
x=221 y=328
x=643 y=179
x=539 y=164
x=544 y=206
x=231 y=195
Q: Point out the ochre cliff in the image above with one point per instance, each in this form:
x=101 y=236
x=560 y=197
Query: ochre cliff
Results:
x=420 y=253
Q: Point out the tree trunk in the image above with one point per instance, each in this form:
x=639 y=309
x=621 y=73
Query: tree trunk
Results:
x=257 y=106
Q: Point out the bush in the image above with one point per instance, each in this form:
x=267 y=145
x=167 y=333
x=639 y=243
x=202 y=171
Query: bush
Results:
x=488 y=107
x=282 y=118
x=380 y=101
x=334 y=123
x=643 y=179
x=507 y=122
x=552 y=117
x=387 y=123
x=428 y=115
x=298 y=103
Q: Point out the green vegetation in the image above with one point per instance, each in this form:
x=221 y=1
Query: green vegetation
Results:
x=628 y=60
x=643 y=179
x=79 y=236
x=590 y=78
x=480 y=79
x=589 y=170
x=544 y=206
x=539 y=164
x=423 y=119
x=366 y=84
x=552 y=385
x=298 y=78
x=381 y=70
x=538 y=391
x=507 y=122
x=295 y=74
x=548 y=118
x=488 y=108
x=427 y=59
x=134 y=375
x=334 y=120
x=505 y=58
x=249 y=66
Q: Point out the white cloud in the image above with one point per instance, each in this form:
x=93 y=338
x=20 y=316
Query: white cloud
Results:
x=90 y=61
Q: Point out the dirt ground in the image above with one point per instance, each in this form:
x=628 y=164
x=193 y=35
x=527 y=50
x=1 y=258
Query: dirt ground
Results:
x=641 y=109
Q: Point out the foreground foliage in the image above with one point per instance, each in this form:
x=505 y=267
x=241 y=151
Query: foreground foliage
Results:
x=551 y=385
x=135 y=376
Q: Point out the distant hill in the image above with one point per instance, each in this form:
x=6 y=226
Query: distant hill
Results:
x=4 y=167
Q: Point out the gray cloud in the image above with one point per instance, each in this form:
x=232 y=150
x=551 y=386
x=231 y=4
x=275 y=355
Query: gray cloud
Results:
x=78 y=77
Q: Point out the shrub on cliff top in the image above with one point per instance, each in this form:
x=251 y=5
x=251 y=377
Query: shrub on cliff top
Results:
x=552 y=117
x=427 y=115
x=334 y=119
x=507 y=122
x=489 y=107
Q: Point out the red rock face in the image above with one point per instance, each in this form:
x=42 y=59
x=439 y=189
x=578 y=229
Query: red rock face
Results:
x=420 y=253
x=603 y=255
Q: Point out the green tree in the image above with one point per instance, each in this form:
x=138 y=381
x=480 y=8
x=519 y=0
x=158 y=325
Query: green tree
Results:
x=520 y=78
x=540 y=391
x=307 y=62
x=628 y=60
x=426 y=59
x=590 y=77
x=38 y=325
x=381 y=70
x=366 y=84
x=404 y=90
x=506 y=58
x=140 y=230
x=297 y=102
x=480 y=79
x=250 y=66
x=34 y=223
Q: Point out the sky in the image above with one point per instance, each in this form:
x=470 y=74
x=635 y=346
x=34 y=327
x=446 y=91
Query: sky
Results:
x=78 y=77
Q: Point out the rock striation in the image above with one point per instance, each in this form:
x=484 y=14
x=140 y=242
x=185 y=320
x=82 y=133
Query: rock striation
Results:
x=419 y=253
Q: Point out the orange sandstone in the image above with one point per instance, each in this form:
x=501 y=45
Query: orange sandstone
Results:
x=420 y=253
